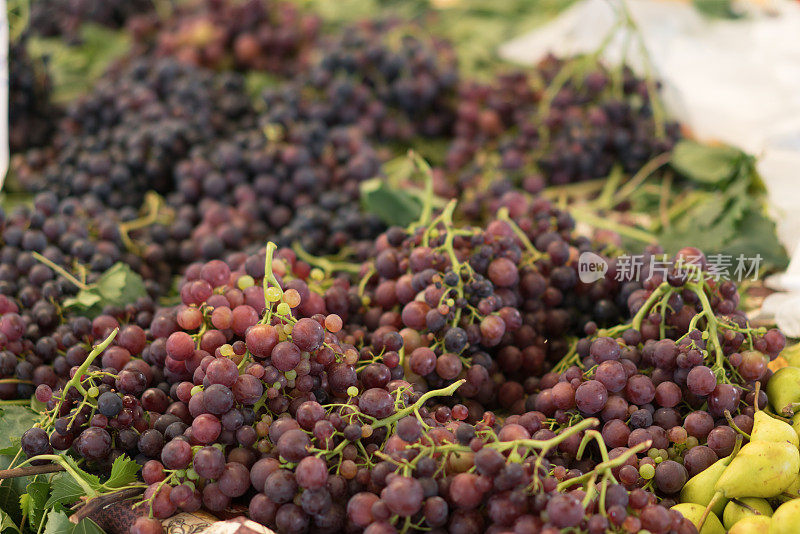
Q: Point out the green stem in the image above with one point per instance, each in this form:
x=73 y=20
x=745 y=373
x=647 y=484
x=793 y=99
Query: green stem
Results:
x=503 y=215
x=60 y=270
x=85 y=486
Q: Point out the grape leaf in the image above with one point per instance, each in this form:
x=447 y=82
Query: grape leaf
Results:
x=58 y=523
x=14 y=421
x=705 y=164
x=118 y=286
x=123 y=472
x=87 y=526
x=7 y=525
x=34 y=505
x=66 y=490
x=394 y=206
x=11 y=489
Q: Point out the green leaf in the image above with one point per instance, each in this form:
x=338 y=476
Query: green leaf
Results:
x=756 y=235
x=705 y=164
x=65 y=491
x=73 y=69
x=58 y=523
x=7 y=525
x=118 y=286
x=14 y=421
x=11 y=489
x=36 y=499
x=123 y=472
x=716 y=9
x=87 y=526
x=394 y=206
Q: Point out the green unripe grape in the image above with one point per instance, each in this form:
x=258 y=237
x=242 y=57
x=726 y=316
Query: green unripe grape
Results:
x=245 y=281
x=93 y=392
x=647 y=471
x=352 y=391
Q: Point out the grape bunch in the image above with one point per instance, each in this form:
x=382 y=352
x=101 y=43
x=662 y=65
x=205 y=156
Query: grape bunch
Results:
x=50 y=252
x=64 y=18
x=233 y=195
x=568 y=120
x=389 y=79
x=126 y=137
x=681 y=374
x=30 y=111
x=254 y=35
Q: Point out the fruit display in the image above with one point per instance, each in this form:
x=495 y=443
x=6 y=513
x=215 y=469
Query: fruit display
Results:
x=316 y=277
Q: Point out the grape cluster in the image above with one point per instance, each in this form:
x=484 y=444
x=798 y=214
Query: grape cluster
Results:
x=63 y=18
x=51 y=251
x=387 y=78
x=568 y=120
x=272 y=36
x=126 y=137
x=30 y=112
x=681 y=375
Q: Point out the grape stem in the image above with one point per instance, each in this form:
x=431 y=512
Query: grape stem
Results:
x=85 y=486
x=75 y=381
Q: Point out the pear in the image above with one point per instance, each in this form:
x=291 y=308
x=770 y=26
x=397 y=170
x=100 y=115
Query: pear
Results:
x=700 y=488
x=751 y=524
x=738 y=508
x=783 y=389
x=761 y=469
x=694 y=513
x=796 y=423
x=766 y=428
x=786 y=518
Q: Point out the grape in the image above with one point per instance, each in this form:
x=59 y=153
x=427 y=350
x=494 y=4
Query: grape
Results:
x=235 y=480
x=176 y=454
x=209 y=462
x=94 y=443
x=565 y=511
x=206 y=428
x=145 y=525
x=591 y=396
x=464 y=491
x=280 y=486
x=701 y=380
x=35 y=441
x=311 y=473
x=403 y=495
x=670 y=476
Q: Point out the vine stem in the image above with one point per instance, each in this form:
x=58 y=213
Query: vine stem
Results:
x=75 y=381
x=85 y=486
x=60 y=270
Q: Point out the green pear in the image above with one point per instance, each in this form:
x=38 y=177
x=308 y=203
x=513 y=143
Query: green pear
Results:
x=761 y=469
x=783 y=388
x=751 y=524
x=700 y=488
x=737 y=509
x=796 y=423
x=793 y=491
x=786 y=518
x=766 y=428
x=694 y=513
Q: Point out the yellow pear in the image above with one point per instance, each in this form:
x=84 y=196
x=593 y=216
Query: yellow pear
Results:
x=700 y=488
x=751 y=524
x=766 y=428
x=738 y=508
x=786 y=519
x=796 y=423
x=783 y=388
x=694 y=513
x=761 y=469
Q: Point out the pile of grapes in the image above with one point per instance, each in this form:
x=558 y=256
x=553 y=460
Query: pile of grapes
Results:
x=208 y=315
